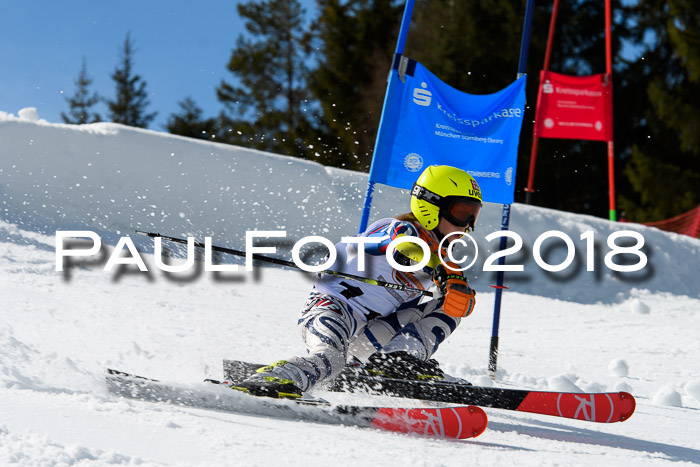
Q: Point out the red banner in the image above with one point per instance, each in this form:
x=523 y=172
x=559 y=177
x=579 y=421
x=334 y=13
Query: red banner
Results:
x=574 y=107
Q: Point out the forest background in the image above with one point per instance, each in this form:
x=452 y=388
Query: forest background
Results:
x=311 y=84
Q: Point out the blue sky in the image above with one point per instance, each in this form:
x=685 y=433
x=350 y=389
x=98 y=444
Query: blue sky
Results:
x=182 y=48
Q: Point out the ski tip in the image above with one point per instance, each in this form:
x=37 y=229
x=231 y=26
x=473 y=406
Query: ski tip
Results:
x=478 y=421
x=627 y=405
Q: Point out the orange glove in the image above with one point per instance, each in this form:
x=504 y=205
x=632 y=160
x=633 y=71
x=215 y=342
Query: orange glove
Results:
x=459 y=297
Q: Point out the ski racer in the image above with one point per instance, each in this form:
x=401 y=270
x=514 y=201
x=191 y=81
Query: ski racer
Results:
x=393 y=332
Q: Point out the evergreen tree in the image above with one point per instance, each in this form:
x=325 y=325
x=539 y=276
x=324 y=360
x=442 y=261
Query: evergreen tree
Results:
x=270 y=107
x=354 y=42
x=190 y=122
x=664 y=162
x=131 y=101
x=282 y=106
x=82 y=101
x=458 y=39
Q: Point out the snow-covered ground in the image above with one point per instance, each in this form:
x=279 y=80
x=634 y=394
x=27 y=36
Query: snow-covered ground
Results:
x=589 y=331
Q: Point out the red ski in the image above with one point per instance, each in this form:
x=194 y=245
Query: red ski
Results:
x=446 y=422
x=607 y=407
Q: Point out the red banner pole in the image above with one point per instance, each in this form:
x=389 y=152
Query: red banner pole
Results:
x=550 y=35
x=531 y=175
x=535 y=139
x=611 y=152
x=608 y=40
x=611 y=181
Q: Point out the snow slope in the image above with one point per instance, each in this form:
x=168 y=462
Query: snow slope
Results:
x=587 y=331
x=114 y=179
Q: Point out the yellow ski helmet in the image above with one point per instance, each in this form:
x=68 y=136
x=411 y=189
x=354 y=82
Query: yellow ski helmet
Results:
x=449 y=192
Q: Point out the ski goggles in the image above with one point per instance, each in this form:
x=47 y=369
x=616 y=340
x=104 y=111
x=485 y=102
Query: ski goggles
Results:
x=460 y=211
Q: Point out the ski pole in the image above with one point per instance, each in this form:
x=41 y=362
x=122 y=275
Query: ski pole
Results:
x=290 y=264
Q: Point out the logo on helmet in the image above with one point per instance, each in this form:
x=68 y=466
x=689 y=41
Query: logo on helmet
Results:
x=413 y=162
x=475 y=192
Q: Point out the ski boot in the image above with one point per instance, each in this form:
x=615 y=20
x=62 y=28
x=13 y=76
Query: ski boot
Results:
x=403 y=365
x=267 y=383
x=269 y=386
